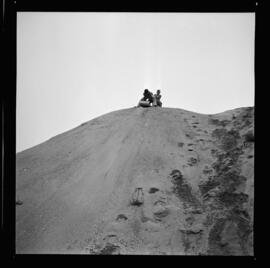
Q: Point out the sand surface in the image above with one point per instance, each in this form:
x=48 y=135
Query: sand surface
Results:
x=140 y=181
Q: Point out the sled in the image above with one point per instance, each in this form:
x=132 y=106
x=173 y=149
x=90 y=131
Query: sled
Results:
x=144 y=104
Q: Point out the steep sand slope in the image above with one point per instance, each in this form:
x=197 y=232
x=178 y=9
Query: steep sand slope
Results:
x=140 y=181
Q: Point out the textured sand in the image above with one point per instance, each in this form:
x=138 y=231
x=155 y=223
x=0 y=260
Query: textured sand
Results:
x=78 y=190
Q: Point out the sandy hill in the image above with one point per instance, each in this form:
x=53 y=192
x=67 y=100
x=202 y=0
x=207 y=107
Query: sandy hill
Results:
x=140 y=181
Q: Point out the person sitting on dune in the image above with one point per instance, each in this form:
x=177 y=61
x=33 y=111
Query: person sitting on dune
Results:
x=156 y=101
x=147 y=96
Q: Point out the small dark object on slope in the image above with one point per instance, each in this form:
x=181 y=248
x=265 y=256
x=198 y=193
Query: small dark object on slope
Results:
x=19 y=202
x=109 y=249
x=153 y=190
x=121 y=217
x=192 y=161
x=176 y=174
x=180 y=144
x=249 y=137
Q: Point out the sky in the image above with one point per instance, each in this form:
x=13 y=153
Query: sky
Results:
x=73 y=67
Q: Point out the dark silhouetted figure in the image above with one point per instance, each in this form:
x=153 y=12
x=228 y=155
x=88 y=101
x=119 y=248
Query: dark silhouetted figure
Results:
x=147 y=96
x=156 y=101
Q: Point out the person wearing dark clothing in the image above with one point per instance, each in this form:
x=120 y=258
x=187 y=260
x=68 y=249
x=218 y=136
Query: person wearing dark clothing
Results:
x=147 y=96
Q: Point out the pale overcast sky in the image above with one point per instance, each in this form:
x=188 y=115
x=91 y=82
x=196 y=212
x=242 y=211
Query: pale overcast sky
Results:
x=73 y=67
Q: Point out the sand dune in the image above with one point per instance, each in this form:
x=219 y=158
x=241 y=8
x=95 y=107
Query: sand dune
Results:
x=141 y=181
